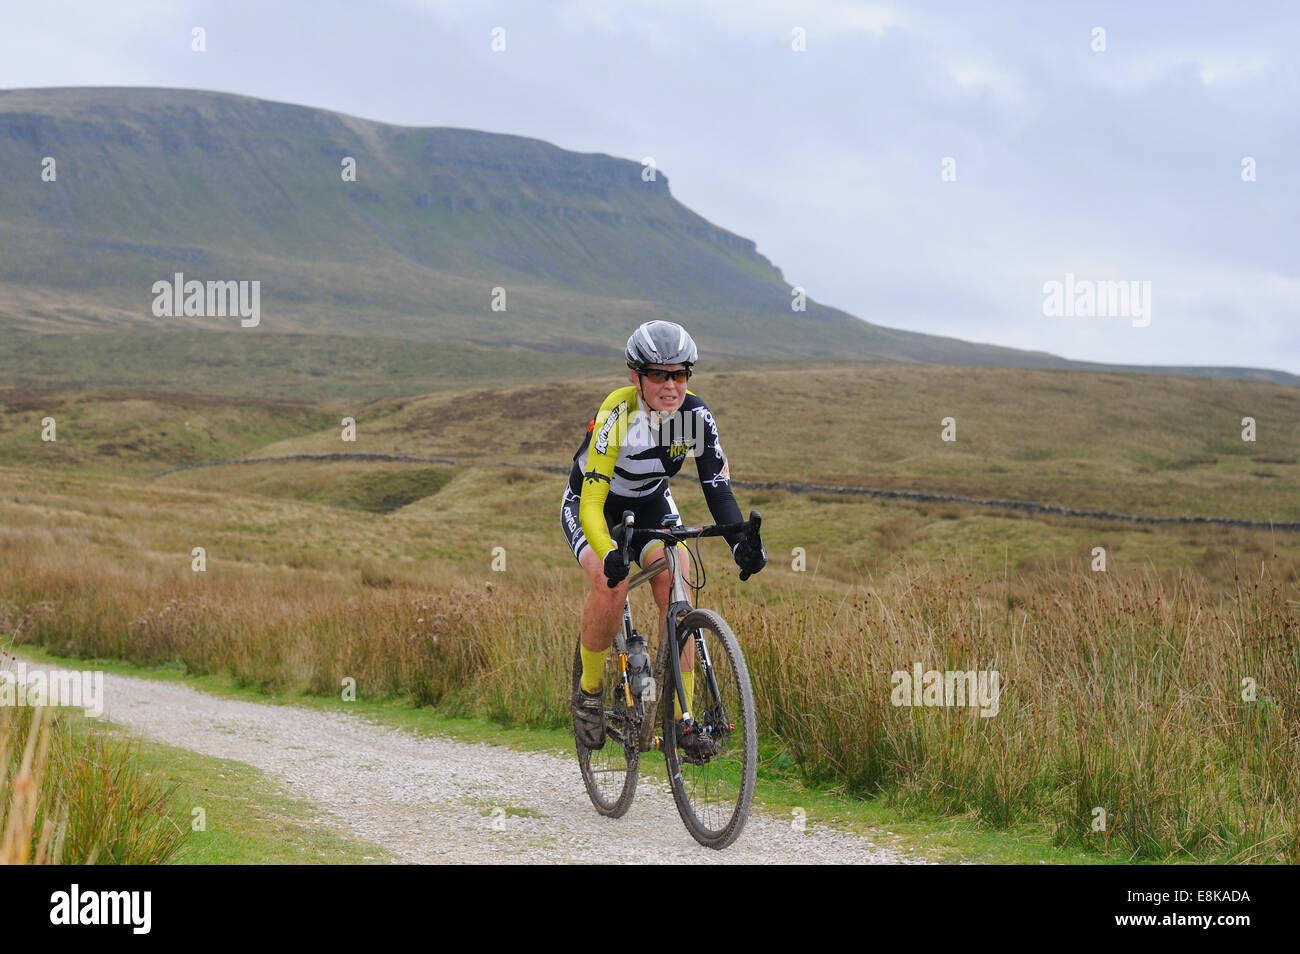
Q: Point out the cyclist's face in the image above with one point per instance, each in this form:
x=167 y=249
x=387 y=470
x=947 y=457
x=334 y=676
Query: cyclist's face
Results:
x=666 y=396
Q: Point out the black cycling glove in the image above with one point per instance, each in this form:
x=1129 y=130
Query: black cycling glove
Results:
x=750 y=557
x=615 y=568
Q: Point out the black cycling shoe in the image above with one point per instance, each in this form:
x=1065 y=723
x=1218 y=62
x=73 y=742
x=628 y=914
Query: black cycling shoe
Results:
x=589 y=718
x=695 y=746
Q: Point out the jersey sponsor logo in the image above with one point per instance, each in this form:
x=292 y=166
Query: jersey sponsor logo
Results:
x=679 y=450
x=602 y=439
x=713 y=429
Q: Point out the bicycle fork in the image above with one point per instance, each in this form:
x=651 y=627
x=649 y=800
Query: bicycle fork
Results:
x=678 y=607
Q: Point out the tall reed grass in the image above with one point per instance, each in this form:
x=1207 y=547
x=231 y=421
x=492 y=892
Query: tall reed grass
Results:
x=24 y=755
x=1122 y=694
x=74 y=797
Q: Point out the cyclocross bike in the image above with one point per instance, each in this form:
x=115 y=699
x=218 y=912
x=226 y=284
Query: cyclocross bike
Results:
x=712 y=782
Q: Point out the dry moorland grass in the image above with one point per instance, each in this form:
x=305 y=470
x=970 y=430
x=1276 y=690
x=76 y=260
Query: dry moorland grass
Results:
x=1121 y=690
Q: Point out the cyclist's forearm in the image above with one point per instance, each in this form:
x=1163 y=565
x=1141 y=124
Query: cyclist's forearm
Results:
x=591 y=514
x=725 y=510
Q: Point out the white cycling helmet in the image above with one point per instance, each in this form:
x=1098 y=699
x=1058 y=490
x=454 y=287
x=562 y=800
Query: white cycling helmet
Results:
x=660 y=342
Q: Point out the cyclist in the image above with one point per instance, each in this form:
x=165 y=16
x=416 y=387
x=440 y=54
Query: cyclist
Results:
x=640 y=438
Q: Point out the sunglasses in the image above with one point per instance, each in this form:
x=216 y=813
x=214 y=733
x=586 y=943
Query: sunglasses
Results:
x=659 y=377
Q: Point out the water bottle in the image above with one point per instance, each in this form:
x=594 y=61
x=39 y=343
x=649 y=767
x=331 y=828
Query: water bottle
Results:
x=638 y=663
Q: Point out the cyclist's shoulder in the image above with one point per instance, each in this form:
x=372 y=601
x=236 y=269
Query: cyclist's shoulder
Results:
x=619 y=396
x=693 y=402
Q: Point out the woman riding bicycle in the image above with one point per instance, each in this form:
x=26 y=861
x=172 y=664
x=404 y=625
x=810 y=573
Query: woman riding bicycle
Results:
x=640 y=438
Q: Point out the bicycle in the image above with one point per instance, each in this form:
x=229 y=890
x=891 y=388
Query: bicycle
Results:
x=713 y=790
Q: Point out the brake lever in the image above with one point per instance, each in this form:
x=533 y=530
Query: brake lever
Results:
x=625 y=544
x=751 y=533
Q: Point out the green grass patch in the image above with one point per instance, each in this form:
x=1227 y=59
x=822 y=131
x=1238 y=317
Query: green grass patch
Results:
x=247 y=817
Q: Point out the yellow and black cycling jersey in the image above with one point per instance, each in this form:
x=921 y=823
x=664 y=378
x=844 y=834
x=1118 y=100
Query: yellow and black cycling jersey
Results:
x=628 y=455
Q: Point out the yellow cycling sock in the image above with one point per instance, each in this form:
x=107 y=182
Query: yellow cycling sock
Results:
x=688 y=687
x=593 y=665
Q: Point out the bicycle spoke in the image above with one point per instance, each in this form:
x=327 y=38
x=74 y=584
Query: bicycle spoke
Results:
x=714 y=794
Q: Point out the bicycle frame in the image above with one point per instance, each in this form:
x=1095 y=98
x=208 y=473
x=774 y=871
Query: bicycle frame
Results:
x=678 y=605
x=678 y=602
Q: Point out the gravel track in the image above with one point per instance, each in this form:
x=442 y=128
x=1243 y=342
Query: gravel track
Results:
x=433 y=800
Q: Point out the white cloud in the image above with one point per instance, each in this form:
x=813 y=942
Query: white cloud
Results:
x=1211 y=69
x=1217 y=70
x=972 y=74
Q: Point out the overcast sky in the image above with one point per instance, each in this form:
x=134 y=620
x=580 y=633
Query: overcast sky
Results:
x=1119 y=164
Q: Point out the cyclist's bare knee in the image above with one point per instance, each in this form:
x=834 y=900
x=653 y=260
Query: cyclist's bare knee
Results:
x=600 y=588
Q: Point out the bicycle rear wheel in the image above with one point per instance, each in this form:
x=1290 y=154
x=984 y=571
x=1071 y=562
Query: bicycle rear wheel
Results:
x=610 y=772
x=713 y=794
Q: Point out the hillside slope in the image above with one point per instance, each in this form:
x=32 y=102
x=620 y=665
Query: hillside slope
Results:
x=152 y=182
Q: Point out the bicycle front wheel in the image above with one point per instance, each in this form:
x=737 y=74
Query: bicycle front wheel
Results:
x=610 y=772
x=713 y=792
